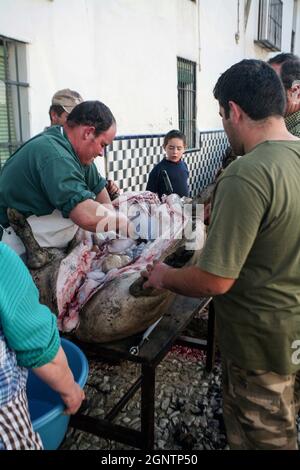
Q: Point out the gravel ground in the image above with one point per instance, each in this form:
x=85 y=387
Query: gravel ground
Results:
x=188 y=407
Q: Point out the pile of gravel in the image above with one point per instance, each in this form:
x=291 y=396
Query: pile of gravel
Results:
x=188 y=412
x=188 y=405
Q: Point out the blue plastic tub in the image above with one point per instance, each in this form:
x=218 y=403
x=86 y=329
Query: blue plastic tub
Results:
x=46 y=407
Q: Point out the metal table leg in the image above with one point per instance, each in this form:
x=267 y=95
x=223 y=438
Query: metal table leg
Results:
x=147 y=406
x=211 y=337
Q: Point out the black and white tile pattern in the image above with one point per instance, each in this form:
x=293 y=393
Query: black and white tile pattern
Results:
x=129 y=160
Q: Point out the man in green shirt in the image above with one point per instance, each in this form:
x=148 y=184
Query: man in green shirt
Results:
x=53 y=181
x=62 y=103
x=250 y=262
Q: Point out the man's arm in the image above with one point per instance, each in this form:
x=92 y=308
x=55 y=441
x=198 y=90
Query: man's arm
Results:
x=190 y=281
x=59 y=377
x=30 y=330
x=103 y=197
x=112 y=189
x=99 y=217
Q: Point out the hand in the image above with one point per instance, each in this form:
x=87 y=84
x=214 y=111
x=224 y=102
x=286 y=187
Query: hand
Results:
x=155 y=274
x=73 y=399
x=112 y=188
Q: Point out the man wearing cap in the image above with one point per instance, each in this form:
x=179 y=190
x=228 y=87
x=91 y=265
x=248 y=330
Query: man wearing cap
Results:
x=63 y=102
x=53 y=181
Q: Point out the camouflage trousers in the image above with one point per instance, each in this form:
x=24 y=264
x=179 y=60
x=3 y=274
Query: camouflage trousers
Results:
x=260 y=408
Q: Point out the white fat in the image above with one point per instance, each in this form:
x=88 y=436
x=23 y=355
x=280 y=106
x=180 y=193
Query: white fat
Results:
x=120 y=245
x=101 y=237
x=96 y=275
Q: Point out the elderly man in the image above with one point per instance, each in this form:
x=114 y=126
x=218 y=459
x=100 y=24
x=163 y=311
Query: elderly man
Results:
x=290 y=76
x=53 y=181
x=288 y=68
x=279 y=59
x=250 y=262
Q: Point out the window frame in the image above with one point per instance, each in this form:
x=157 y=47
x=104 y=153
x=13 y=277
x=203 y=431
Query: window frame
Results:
x=14 y=119
x=294 y=27
x=270 y=16
x=187 y=100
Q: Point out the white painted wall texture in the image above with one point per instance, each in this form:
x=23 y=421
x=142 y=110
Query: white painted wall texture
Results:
x=124 y=52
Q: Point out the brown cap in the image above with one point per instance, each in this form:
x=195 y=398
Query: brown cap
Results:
x=67 y=98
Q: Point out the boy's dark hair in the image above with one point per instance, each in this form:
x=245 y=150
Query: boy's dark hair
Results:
x=282 y=57
x=174 y=134
x=290 y=72
x=91 y=113
x=56 y=108
x=254 y=86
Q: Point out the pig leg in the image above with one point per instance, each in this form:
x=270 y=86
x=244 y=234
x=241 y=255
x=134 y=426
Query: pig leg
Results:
x=37 y=257
x=178 y=259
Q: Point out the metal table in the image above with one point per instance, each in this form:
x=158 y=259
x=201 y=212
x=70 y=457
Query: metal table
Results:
x=165 y=334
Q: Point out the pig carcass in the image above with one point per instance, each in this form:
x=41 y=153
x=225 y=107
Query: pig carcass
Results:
x=97 y=293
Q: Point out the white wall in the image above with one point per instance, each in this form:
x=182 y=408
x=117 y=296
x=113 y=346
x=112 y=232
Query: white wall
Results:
x=61 y=48
x=219 y=51
x=142 y=40
x=120 y=51
x=219 y=48
x=124 y=52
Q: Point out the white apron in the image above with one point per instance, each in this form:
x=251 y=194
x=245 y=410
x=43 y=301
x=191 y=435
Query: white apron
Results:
x=51 y=230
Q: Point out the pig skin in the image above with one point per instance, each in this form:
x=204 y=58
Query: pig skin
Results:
x=111 y=312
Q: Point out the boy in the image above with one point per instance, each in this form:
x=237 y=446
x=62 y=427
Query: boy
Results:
x=176 y=169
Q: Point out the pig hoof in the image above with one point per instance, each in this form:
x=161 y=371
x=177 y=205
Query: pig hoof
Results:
x=15 y=217
x=136 y=289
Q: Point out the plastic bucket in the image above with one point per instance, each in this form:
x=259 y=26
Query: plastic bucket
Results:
x=46 y=407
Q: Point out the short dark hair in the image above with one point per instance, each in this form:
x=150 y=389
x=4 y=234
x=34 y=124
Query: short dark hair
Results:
x=91 y=113
x=282 y=57
x=56 y=108
x=254 y=86
x=174 y=134
x=290 y=72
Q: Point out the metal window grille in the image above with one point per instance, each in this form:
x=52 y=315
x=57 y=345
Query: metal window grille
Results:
x=186 y=73
x=293 y=42
x=14 y=125
x=270 y=24
x=247 y=11
x=293 y=37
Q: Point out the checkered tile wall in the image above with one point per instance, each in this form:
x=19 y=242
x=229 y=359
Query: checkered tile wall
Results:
x=129 y=160
x=204 y=163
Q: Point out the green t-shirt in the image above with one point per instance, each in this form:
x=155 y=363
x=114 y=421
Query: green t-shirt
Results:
x=254 y=237
x=46 y=174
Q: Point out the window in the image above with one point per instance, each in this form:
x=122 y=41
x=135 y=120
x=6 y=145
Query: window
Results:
x=247 y=11
x=14 y=116
x=186 y=72
x=294 y=27
x=270 y=24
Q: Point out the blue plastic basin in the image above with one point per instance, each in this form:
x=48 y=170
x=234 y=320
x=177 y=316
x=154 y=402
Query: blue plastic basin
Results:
x=46 y=407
